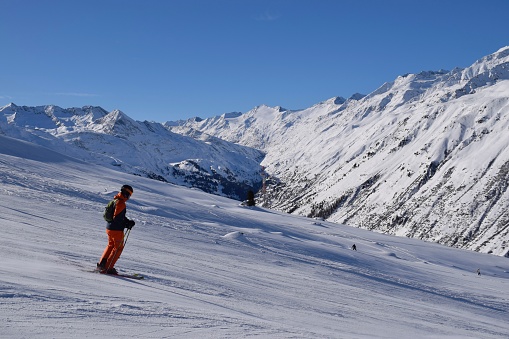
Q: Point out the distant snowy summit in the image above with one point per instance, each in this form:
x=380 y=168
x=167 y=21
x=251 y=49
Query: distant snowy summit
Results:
x=148 y=149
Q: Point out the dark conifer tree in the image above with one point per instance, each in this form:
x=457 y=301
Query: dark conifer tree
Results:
x=250 y=198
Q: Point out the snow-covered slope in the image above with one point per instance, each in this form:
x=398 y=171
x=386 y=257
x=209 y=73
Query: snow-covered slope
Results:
x=143 y=148
x=215 y=269
x=424 y=156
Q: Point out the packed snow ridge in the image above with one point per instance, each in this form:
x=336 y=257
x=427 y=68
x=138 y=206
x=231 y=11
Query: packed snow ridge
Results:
x=423 y=156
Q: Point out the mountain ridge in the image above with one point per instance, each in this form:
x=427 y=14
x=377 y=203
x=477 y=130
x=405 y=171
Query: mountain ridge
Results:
x=148 y=149
x=396 y=160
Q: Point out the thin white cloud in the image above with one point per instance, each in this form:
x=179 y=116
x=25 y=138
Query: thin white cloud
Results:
x=77 y=94
x=267 y=16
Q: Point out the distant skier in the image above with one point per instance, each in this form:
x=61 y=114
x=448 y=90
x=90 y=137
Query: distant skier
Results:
x=478 y=271
x=115 y=232
x=354 y=248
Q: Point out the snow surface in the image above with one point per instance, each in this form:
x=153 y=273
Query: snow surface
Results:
x=216 y=269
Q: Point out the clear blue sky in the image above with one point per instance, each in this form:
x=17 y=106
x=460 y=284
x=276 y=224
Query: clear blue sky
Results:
x=175 y=59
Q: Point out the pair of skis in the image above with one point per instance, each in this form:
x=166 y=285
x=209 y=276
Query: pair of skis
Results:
x=123 y=275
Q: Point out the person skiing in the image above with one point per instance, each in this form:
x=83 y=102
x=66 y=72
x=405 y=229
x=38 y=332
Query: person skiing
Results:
x=115 y=232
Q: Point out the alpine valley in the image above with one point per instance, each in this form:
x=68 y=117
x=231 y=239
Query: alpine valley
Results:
x=424 y=156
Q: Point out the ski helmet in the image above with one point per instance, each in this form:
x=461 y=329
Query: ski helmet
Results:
x=127 y=188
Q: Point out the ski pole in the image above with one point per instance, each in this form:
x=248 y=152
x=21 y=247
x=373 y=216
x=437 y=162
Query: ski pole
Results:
x=126 y=236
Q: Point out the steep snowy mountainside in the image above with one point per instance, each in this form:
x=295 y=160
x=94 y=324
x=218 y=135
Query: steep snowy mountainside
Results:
x=143 y=148
x=424 y=156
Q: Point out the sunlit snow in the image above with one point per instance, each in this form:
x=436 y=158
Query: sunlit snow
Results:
x=216 y=269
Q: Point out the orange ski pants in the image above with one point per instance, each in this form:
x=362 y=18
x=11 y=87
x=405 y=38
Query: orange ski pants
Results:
x=114 y=248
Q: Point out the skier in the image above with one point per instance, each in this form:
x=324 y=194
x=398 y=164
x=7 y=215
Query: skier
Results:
x=115 y=232
x=354 y=248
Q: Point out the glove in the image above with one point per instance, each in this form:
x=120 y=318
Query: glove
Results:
x=130 y=224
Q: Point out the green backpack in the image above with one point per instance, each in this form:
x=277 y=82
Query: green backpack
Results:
x=109 y=210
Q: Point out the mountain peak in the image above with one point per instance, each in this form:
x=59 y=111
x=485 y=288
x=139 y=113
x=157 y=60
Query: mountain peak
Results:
x=11 y=105
x=357 y=96
x=232 y=115
x=503 y=50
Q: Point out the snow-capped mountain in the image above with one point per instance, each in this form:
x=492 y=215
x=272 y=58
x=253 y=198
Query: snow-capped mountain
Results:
x=424 y=156
x=142 y=148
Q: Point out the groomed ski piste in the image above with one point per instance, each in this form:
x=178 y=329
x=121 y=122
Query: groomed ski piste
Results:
x=216 y=269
